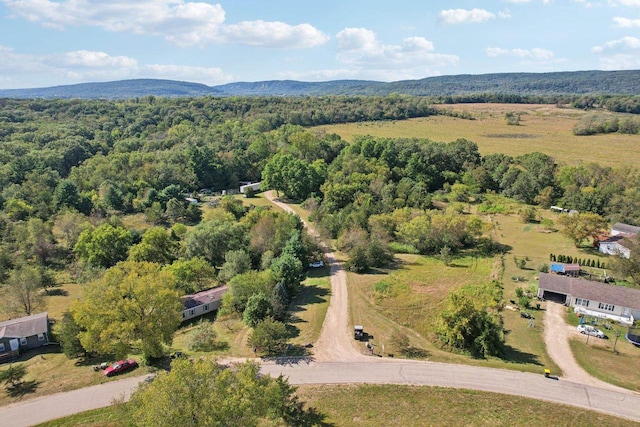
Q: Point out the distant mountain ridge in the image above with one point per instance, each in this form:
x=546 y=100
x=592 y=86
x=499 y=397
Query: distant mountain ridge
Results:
x=624 y=82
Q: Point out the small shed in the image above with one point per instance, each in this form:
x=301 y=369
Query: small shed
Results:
x=255 y=186
x=566 y=269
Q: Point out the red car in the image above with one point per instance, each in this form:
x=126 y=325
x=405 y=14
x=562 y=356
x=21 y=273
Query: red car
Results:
x=120 y=366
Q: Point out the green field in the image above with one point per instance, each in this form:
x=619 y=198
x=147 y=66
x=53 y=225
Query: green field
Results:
x=544 y=128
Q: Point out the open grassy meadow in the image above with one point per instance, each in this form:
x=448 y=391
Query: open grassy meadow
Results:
x=544 y=128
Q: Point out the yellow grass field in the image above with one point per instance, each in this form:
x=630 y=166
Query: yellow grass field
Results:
x=544 y=128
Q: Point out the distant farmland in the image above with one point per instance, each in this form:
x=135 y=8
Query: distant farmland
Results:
x=544 y=128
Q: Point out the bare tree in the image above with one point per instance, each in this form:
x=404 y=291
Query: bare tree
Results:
x=23 y=290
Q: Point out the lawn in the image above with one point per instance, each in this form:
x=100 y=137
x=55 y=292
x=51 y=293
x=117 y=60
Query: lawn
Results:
x=544 y=128
x=309 y=307
x=418 y=288
x=398 y=405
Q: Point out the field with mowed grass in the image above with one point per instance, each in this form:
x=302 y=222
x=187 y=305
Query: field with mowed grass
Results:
x=544 y=128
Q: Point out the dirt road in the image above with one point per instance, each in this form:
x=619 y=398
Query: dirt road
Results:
x=335 y=341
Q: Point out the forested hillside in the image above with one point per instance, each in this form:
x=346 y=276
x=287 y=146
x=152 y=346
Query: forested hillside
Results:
x=512 y=84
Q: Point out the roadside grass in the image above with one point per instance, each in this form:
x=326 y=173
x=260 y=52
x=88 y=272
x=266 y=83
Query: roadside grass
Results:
x=544 y=128
x=110 y=416
x=598 y=359
x=399 y=405
x=309 y=307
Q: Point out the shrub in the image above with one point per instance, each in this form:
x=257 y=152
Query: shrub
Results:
x=204 y=338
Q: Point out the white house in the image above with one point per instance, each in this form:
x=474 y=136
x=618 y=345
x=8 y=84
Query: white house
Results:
x=597 y=299
x=203 y=302
x=615 y=243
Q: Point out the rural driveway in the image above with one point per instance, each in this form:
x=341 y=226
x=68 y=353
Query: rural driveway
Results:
x=556 y=336
x=336 y=361
x=335 y=341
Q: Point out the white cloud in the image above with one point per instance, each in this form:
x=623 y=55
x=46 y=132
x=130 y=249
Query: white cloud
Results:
x=627 y=3
x=537 y=53
x=82 y=66
x=274 y=34
x=504 y=14
x=184 y=23
x=527 y=1
x=463 y=16
x=625 y=43
x=90 y=59
x=620 y=22
x=414 y=58
x=619 y=54
x=620 y=62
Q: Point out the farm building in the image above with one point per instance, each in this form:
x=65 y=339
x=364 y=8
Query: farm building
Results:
x=22 y=334
x=203 y=302
x=596 y=299
x=568 y=269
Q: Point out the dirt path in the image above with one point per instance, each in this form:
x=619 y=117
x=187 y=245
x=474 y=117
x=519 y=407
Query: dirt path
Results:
x=556 y=336
x=334 y=343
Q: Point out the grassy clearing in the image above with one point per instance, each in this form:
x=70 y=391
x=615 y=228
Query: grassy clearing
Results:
x=419 y=288
x=543 y=128
x=371 y=405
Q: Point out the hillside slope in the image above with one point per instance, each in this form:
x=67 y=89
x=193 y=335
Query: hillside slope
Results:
x=623 y=82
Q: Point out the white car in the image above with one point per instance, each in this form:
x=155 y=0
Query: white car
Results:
x=590 y=330
x=316 y=264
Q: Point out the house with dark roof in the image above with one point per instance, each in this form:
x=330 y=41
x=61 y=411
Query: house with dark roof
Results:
x=203 y=302
x=597 y=299
x=24 y=333
x=620 y=228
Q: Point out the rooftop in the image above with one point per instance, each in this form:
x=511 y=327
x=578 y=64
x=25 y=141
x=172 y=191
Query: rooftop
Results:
x=586 y=289
x=204 y=297
x=25 y=326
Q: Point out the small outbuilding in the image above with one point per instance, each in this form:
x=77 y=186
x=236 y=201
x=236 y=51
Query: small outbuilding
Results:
x=566 y=269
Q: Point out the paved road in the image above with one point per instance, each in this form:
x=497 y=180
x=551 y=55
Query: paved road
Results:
x=40 y=409
x=337 y=362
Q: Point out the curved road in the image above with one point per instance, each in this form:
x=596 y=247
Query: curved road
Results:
x=337 y=361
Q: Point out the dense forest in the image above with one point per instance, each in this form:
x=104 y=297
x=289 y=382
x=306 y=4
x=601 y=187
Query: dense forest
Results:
x=576 y=83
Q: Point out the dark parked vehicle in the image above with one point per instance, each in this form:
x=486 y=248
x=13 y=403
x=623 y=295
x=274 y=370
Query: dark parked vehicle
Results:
x=120 y=366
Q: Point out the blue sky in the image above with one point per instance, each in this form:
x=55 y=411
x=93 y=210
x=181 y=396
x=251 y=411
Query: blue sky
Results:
x=55 y=42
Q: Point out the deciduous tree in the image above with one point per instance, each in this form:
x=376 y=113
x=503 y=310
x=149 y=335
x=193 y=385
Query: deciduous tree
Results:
x=133 y=304
x=202 y=394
